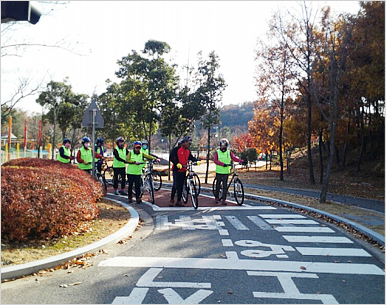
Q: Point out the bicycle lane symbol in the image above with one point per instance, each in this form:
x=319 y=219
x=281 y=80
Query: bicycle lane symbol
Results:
x=146 y=282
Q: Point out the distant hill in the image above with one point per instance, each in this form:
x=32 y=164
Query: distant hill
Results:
x=236 y=117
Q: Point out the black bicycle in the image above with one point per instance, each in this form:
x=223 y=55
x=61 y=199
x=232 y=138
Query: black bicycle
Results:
x=238 y=189
x=100 y=178
x=147 y=181
x=107 y=173
x=190 y=186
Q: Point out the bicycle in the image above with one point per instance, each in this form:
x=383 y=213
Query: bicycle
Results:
x=100 y=178
x=147 y=181
x=190 y=186
x=107 y=170
x=238 y=189
x=157 y=180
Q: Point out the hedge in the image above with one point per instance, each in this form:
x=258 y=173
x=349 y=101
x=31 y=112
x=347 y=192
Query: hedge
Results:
x=42 y=199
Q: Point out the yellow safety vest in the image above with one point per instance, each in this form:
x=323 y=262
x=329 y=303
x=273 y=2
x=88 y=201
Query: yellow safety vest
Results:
x=224 y=157
x=85 y=155
x=66 y=152
x=133 y=169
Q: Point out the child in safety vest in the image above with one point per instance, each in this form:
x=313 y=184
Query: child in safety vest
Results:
x=223 y=158
x=64 y=155
x=84 y=155
x=119 y=165
x=135 y=159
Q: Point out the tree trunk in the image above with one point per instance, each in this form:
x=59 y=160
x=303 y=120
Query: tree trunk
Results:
x=150 y=123
x=321 y=155
x=281 y=138
x=170 y=148
x=337 y=156
x=362 y=135
x=207 y=157
x=309 y=133
x=345 y=148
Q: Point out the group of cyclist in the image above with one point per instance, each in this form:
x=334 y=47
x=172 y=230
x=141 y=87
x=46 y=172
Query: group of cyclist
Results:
x=135 y=158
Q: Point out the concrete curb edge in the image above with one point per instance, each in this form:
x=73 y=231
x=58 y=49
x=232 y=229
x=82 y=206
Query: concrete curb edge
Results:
x=53 y=261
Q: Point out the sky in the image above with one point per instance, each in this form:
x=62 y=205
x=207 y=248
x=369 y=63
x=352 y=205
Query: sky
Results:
x=98 y=33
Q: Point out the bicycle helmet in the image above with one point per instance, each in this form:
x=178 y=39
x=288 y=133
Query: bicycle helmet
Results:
x=137 y=143
x=224 y=142
x=145 y=142
x=119 y=139
x=188 y=139
x=100 y=140
x=85 y=139
x=66 y=140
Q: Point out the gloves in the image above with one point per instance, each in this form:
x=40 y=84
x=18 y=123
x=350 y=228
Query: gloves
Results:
x=137 y=163
x=179 y=165
x=225 y=165
x=72 y=158
x=198 y=162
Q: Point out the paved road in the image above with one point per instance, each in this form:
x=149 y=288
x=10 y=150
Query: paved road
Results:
x=255 y=253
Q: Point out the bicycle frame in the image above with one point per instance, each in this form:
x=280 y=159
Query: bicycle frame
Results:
x=238 y=190
x=190 y=186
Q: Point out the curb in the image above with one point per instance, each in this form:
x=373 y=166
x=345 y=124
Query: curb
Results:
x=53 y=261
x=376 y=237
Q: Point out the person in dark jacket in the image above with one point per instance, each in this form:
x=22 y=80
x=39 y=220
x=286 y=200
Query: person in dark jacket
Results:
x=173 y=156
x=179 y=166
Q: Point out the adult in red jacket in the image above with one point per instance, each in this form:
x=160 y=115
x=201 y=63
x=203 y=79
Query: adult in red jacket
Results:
x=180 y=160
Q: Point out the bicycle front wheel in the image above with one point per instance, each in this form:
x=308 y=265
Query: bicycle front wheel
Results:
x=238 y=191
x=102 y=181
x=150 y=188
x=197 y=183
x=185 y=192
x=193 y=193
x=157 y=181
x=214 y=189
x=108 y=175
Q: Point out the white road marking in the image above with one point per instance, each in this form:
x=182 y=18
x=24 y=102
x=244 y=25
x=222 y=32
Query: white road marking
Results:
x=317 y=239
x=185 y=222
x=136 y=296
x=162 y=223
x=210 y=209
x=227 y=242
x=236 y=223
x=333 y=251
x=242 y=264
x=292 y=221
x=174 y=298
x=276 y=216
x=290 y=289
x=274 y=249
x=305 y=229
x=223 y=232
x=147 y=280
x=260 y=223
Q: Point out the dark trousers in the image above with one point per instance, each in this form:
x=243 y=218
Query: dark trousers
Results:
x=119 y=171
x=99 y=166
x=137 y=180
x=224 y=179
x=180 y=180
x=174 y=186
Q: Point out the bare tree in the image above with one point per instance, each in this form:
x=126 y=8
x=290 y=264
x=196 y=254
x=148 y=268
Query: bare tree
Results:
x=331 y=52
x=296 y=35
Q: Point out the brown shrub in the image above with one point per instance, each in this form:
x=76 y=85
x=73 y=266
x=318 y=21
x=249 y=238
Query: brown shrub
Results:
x=43 y=198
